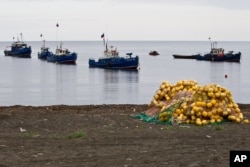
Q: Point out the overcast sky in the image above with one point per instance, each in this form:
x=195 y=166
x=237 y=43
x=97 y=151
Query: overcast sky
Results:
x=222 y=20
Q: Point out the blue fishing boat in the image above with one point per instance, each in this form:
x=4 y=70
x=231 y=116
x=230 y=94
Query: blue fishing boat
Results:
x=44 y=53
x=112 y=60
x=218 y=54
x=62 y=56
x=18 y=49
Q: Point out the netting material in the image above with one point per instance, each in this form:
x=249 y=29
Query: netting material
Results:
x=188 y=102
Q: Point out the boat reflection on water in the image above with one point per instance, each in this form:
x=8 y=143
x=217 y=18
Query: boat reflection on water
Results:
x=120 y=76
x=121 y=85
x=117 y=85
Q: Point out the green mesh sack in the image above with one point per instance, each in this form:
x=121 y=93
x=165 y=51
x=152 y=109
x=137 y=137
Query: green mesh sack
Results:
x=164 y=117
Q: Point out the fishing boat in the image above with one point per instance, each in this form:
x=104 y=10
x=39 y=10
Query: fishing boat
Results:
x=62 y=56
x=154 y=53
x=178 y=56
x=112 y=60
x=44 y=53
x=218 y=54
x=18 y=49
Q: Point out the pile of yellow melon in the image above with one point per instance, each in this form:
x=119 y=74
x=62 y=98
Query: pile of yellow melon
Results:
x=196 y=104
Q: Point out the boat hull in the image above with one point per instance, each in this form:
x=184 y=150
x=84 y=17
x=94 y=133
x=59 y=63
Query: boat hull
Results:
x=44 y=55
x=21 y=53
x=115 y=63
x=62 y=59
x=154 y=53
x=226 y=57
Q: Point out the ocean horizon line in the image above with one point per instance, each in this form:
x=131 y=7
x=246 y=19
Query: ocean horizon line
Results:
x=130 y=41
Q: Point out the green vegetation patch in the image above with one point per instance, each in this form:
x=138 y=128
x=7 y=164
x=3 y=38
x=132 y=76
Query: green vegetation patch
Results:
x=77 y=134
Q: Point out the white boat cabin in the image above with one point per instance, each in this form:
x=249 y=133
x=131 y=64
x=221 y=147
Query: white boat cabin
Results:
x=62 y=51
x=217 y=51
x=112 y=52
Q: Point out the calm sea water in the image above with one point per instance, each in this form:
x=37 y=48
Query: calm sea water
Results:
x=36 y=82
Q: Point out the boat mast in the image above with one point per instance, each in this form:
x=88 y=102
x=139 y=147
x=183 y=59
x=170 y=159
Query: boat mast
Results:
x=21 y=34
x=17 y=38
x=215 y=44
x=107 y=45
x=43 y=40
x=57 y=25
x=211 y=43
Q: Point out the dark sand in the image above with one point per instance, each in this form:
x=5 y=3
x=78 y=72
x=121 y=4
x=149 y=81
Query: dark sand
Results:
x=106 y=135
